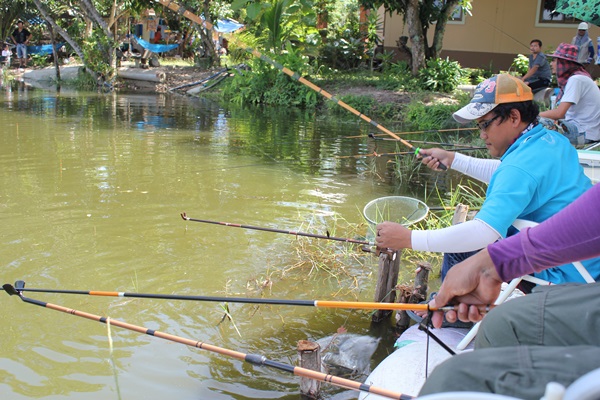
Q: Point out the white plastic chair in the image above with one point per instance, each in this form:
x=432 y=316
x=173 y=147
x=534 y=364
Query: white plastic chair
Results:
x=520 y=224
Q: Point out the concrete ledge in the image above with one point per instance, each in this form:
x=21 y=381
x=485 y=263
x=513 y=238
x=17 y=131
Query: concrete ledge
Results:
x=467 y=88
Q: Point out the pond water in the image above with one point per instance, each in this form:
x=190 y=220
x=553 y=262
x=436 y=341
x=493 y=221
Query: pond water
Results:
x=91 y=191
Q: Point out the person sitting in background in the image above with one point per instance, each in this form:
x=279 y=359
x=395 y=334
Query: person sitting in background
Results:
x=6 y=55
x=550 y=335
x=539 y=75
x=577 y=114
x=157 y=35
x=537 y=176
x=584 y=44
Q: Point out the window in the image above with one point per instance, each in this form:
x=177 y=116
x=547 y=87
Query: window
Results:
x=456 y=16
x=546 y=14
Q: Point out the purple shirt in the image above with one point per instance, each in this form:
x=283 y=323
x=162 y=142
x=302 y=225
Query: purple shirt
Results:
x=573 y=234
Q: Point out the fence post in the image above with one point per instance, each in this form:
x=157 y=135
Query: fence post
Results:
x=309 y=354
x=387 y=279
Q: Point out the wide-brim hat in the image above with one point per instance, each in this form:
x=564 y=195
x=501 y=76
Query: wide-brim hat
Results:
x=566 y=51
x=490 y=93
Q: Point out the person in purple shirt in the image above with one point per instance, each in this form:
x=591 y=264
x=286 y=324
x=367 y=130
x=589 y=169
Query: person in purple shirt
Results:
x=550 y=335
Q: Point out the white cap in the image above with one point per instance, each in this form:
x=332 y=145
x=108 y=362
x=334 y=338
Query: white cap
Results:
x=583 y=26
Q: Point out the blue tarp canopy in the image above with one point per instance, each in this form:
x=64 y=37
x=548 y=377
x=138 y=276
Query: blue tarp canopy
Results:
x=154 y=47
x=227 y=26
x=44 y=49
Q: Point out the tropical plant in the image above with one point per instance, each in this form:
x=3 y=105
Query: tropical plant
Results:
x=520 y=64
x=441 y=75
x=345 y=52
x=280 y=22
x=372 y=36
x=263 y=84
x=419 y=16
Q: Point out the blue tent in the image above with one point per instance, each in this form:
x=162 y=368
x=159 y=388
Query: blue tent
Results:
x=227 y=26
x=44 y=49
x=153 y=47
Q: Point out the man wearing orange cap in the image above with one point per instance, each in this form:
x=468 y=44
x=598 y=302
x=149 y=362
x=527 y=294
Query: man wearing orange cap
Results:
x=538 y=174
x=577 y=114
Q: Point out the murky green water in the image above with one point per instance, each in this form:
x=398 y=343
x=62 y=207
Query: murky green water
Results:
x=91 y=188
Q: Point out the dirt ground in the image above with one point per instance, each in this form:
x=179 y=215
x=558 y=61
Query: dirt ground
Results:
x=175 y=76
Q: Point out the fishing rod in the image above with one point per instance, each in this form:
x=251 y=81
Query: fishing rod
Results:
x=372 y=136
x=259 y=228
x=403 y=153
x=354 y=305
x=413 y=132
x=255 y=359
x=181 y=10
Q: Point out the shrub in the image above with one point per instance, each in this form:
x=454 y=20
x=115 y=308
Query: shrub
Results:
x=520 y=64
x=440 y=75
x=344 y=52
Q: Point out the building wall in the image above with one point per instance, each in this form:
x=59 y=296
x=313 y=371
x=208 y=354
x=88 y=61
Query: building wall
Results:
x=494 y=34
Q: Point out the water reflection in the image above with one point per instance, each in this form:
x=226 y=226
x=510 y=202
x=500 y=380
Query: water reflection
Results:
x=91 y=190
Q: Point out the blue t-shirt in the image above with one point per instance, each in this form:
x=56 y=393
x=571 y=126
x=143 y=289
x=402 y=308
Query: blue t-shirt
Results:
x=539 y=175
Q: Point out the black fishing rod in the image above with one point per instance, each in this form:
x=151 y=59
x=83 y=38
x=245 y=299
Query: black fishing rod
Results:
x=372 y=136
x=259 y=228
x=404 y=153
x=352 y=305
x=415 y=132
x=255 y=359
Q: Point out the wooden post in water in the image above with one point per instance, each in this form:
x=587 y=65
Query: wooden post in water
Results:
x=309 y=354
x=460 y=214
x=402 y=318
x=414 y=295
x=387 y=279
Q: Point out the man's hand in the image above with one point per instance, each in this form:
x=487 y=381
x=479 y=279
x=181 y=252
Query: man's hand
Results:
x=433 y=157
x=473 y=281
x=391 y=235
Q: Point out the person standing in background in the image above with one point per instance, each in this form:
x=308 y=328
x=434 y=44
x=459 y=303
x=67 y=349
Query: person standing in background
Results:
x=20 y=37
x=539 y=74
x=584 y=43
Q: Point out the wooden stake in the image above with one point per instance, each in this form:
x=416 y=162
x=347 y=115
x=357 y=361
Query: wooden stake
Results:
x=309 y=354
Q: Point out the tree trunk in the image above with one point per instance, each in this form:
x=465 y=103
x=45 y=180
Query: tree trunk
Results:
x=54 y=52
x=206 y=34
x=440 y=28
x=415 y=33
x=58 y=29
x=90 y=9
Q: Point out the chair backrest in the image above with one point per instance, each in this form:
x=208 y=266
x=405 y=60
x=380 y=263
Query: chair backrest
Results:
x=520 y=224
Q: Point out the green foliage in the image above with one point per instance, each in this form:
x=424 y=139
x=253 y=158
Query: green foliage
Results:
x=440 y=75
x=421 y=116
x=39 y=60
x=520 y=64
x=474 y=76
x=280 y=22
x=96 y=49
x=345 y=52
x=267 y=85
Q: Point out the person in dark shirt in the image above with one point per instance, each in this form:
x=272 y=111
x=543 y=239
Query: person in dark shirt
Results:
x=20 y=37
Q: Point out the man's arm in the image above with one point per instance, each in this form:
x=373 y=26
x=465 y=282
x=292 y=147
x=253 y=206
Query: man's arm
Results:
x=571 y=235
x=558 y=112
x=530 y=72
